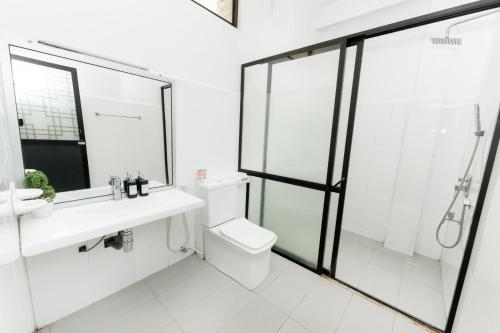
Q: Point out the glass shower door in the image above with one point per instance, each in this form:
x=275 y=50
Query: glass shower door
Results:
x=289 y=111
x=412 y=183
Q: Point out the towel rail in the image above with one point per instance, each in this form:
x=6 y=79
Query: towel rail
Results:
x=99 y=114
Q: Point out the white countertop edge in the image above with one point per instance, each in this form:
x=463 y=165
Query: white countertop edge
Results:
x=43 y=246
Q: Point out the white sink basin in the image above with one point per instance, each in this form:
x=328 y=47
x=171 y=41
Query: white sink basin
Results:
x=73 y=225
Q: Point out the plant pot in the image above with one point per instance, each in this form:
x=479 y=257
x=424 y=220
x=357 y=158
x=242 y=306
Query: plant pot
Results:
x=45 y=211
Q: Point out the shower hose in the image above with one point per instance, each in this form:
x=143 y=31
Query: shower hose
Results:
x=184 y=247
x=455 y=197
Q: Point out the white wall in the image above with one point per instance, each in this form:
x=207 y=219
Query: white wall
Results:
x=413 y=133
x=186 y=43
x=271 y=27
x=15 y=303
x=175 y=37
x=484 y=260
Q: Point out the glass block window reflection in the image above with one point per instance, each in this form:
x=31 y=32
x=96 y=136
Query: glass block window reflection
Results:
x=45 y=101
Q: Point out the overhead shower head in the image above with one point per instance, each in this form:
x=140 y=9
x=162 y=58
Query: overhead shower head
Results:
x=446 y=41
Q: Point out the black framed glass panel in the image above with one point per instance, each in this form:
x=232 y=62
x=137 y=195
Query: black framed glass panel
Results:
x=294 y=213
x=458 y=84
x=288 y=109
x=417 y=161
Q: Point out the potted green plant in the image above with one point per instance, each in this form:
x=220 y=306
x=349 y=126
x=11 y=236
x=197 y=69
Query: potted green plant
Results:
x=38 y=179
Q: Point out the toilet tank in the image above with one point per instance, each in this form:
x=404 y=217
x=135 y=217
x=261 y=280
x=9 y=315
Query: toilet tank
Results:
x=221 y=200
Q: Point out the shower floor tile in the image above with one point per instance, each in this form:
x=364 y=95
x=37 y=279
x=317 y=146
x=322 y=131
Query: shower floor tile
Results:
x=411 y=283
x=177 y=300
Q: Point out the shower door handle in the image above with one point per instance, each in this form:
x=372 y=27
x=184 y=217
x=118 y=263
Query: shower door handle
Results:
x=337 y=187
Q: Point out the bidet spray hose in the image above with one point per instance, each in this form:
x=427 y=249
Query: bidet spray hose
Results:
x=185 y=245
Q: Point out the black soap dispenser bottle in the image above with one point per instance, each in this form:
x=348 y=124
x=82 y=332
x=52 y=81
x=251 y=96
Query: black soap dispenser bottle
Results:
x=131 y=188
x=142 y=185
x=125 y=183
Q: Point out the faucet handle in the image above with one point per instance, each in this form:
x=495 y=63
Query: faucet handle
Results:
x=114 y=180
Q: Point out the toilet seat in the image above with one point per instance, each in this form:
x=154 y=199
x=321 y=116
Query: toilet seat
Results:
x=247 y=234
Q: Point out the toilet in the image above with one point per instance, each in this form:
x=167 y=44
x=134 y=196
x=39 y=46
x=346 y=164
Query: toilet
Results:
x=235 y=246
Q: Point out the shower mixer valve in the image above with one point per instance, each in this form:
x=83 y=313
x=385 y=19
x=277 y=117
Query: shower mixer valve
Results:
x=464 y=185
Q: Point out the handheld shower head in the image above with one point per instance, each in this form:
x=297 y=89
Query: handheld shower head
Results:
x=478 y=131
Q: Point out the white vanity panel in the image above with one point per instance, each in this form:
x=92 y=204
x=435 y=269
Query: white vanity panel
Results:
x=64 y=281
x=59 y=282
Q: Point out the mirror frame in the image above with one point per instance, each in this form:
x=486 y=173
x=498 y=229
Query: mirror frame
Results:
x=7 y=84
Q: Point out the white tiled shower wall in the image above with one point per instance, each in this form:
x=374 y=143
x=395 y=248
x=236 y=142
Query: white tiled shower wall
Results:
x=15 y=304
x=413 y=133
x=421 y=144
x=480 y=299
x=489 y=99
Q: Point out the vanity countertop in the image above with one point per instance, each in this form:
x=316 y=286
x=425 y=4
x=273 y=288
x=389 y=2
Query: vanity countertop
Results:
x=78 y=224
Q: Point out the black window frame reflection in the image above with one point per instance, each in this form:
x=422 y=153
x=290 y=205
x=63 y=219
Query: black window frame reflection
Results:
x=84 y=182
x=234 y=16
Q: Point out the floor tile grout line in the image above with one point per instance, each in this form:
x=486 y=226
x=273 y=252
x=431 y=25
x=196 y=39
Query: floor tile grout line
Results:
x=168 y=312
x=305 y=294
x=295 y=321
x=407 y=260
x=246 y=305
x=365 y=267
x=283 y=323
x=288 y=264
x=237 y=313
x=223 y=285
x=344 y=313
x=399 y=291
x=385 y=307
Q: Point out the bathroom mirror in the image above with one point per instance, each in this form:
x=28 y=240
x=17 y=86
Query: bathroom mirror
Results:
x=80 y=122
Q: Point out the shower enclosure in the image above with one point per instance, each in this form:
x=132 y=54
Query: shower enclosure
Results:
x=370 y=155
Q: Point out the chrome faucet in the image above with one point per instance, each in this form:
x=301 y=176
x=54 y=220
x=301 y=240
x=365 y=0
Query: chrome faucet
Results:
x=116 y=187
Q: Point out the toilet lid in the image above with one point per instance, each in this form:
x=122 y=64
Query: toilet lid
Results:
x=247 y=234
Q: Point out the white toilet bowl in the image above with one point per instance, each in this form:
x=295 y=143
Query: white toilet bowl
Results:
x=235 y=246
x=241 y=250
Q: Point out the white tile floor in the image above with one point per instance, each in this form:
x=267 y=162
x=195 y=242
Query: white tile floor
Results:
x=413 y=284
x=191 y=296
